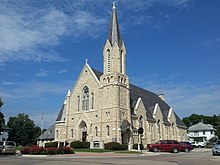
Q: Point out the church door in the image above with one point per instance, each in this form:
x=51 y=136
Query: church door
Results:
x=125 y=136
x=83 y=131
x=84 y=135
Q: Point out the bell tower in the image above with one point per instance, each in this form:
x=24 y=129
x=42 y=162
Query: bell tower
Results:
x=114 y=51
x=114 y=81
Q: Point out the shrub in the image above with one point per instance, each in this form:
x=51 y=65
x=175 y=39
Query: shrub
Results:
x=135 y=146
x=51 y=145
x=85 y=144
x=66 y=150
x=76 y=144
x=62 y=144
x=123 y=147
x=113 y=146
x=36 y=150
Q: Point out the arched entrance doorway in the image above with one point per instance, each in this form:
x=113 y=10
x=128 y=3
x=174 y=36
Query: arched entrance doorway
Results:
x=125 y=132
x=83 y=131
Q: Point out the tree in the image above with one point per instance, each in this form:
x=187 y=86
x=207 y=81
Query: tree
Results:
x=1 y=115
x=1 y=102
x=23 y=130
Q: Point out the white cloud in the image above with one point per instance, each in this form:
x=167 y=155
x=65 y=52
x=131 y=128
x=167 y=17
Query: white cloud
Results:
x=4 y=83
x=34 y=89
x=30 y=29
x=29 y=33
x=42 y=73
x=212 y=41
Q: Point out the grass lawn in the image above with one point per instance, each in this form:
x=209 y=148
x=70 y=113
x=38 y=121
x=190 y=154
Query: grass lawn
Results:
x=105 y=150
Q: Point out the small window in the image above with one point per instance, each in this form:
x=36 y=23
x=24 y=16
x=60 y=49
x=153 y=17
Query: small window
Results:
x=71 y=133
x=57 y=133
x=92 y=100
x=96 y=131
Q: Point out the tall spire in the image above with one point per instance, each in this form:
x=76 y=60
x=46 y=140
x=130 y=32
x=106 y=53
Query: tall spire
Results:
x=114 y=33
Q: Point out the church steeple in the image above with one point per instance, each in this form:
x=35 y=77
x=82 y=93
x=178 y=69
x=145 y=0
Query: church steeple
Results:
x=114 y=33
x=114 y=52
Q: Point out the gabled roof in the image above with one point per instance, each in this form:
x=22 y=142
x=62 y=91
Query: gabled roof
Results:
x=97 y=73
x=48 y=134
x=201 y=127
x=59 y=117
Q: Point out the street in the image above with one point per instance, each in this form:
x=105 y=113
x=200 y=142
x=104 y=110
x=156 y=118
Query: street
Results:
x=196 y=157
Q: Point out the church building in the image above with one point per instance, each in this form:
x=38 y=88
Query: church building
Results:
x=105 y=107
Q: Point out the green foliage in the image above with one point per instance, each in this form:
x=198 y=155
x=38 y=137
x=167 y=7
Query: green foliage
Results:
x=1 y=115
x=135 y=146
x=76 y=144
x=195 y=118
x=86 y=145
x=51 y=145
x=113 y=146
x=62 y=144
x=23 y=130
x=123 y=147
x=36 y=150
x=1 y=102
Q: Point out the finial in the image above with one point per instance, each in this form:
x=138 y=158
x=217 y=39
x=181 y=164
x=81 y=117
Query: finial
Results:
x=68 y=93
x=114 y=4
x=86 y=61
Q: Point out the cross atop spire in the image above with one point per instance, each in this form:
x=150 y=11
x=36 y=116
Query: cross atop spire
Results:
x=114 y=33
x=114 y=4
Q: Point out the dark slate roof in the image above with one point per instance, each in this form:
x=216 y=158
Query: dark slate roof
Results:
x=149 y=99
x=114 y=33
x=60 y=113
x=97 y=73
x=48 y=134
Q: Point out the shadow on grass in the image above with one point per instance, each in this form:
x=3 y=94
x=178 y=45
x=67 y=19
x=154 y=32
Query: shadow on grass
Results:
x=105 y=150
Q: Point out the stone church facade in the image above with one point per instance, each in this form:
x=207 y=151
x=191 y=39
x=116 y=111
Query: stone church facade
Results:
x=106 y=107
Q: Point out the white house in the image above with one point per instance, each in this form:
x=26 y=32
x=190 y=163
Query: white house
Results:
x=201 y=132
x=4 y=132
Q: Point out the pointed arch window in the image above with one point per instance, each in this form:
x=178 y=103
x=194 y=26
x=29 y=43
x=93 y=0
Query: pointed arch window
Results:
x=109 y=60
x=158 y=126
x=85 y=99
x=78 y=102
x=71 y=133
x=108 y=130
x=121 y=61
x=92 y=100
x=141 y=121
x=57 y=134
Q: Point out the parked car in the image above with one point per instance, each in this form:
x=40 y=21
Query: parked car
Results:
x=198 y=144
x=165 y=145
x=216 y=148
x=185 y=146
x=7 y=147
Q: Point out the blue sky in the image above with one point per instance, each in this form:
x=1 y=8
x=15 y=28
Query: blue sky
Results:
x=173 y=47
